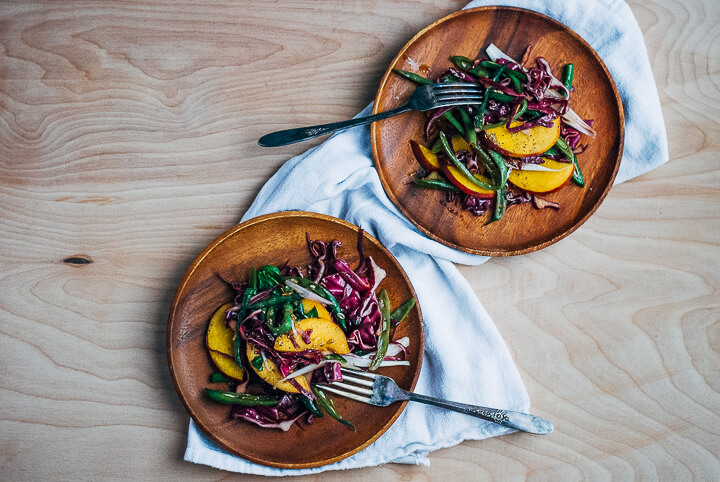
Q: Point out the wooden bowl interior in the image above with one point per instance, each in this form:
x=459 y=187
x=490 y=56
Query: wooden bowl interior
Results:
x=275 y=239
x=523 y=229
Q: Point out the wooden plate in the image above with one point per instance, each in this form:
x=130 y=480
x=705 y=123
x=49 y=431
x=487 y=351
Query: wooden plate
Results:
x=523 y=229
x=275 y=239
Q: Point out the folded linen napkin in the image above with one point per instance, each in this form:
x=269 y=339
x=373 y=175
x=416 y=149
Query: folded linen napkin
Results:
x=347 y=186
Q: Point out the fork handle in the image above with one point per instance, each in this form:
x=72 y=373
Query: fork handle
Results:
x=517 y=420
x=290 y=136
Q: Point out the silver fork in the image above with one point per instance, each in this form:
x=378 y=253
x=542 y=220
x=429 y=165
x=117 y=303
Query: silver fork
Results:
x=381 y=391
x=425 y=97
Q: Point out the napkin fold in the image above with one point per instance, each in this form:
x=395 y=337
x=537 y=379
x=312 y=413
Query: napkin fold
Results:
x=465 y=357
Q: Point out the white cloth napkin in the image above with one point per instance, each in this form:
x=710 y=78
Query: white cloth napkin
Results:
x=465 y=360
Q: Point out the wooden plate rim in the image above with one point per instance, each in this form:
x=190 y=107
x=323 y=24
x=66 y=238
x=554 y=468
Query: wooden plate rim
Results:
x=181 y=291
x=375 y=136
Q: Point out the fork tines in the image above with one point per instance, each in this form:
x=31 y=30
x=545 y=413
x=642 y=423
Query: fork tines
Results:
x=455 y=93
x=452 y=87
x=353 y=392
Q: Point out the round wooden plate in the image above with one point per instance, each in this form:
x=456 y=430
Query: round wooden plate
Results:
x=276 y=239
x=523 y=229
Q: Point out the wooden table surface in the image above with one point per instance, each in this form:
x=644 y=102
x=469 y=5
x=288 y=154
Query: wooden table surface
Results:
x=128 y=138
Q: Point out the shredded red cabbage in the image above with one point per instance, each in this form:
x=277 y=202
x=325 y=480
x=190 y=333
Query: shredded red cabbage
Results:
x=328 y=373
x=477 y=205
x=282 y=416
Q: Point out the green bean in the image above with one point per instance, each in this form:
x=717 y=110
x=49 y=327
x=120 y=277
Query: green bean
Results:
x=241 y=398
x=517 y=85
x=403 y=310
x=287 y=318
x=462 y=62
x=568 y=76
x=489 y=164
x=505 y=70
x=470 y=134
x=273 y=300
x=461 y=167
x=336 y=357
x=521 y=110
x=500 y=97
x=218 y=378
x=480 y=72
x=312 y=406
x=455 y=123
x=385 y=326
x=500 y=199
x=327 y=404
x=436 y=147
x=418 y=79
x=439 y=184
x=577 y=176
x=500 y=205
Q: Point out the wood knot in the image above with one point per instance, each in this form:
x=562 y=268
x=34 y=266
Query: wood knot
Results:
x=78 y=260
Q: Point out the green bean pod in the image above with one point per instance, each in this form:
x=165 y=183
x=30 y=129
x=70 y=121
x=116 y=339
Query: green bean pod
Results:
x=568 y=76
x=327 y=404
x=500 y=199
x=322 y=292
x=438 y=184
x=402 y=311
x=462 y=62
x=461 y=167
x=418 y=79
x=241 y=398
x=218 y=378
x=274 y=300
x=453 y=121
x=468 y=127
x=577 y=176
x=312 y=406
x=385 y=326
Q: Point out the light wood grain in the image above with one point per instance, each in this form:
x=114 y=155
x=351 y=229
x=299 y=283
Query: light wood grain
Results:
x=128 y=134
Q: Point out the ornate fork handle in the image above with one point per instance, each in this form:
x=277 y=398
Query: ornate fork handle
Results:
x=290 y=136
x=508 y=418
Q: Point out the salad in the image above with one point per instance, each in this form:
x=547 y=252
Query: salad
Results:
x=290 y=329
x=520 y=143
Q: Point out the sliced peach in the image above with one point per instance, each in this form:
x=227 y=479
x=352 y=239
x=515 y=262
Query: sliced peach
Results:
x=324 y=336
x=543 y=181
x=530 y=142
x=427 y=158
x=459 y=144
x=269 y=372
x=461 y=182
x=220 y=345
x=322 y=312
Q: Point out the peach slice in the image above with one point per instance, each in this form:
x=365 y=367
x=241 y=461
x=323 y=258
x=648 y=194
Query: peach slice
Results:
x=220 y=345
x=530 y=142
x=459 y=144
x=269 y=372
x=427 y=158
x=324 y=336
x=458 y=179
x=322 y=312
x=543 y=181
